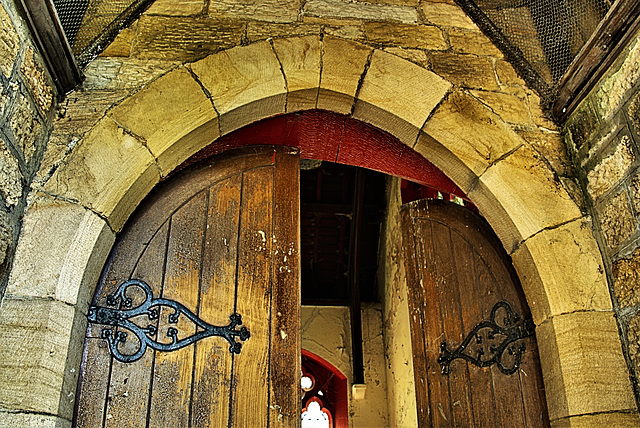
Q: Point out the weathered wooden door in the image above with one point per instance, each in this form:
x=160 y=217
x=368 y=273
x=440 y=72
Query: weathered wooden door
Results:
x=220 y=239
x=458 y=276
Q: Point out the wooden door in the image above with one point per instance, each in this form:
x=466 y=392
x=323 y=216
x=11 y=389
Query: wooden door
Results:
x=219 y=239
x=457 y=272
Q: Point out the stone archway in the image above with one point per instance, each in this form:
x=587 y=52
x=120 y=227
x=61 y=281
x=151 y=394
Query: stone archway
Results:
x=71 y=225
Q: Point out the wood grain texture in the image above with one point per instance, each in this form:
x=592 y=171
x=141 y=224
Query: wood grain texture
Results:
x=251 y=367
x=172 y=376
x=284 y=405
x=456 y=272
x=211 y=394
x=209 y=239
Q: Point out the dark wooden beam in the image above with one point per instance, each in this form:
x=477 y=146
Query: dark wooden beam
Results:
x=354 y=279
x=608 y=40
x=52 y=43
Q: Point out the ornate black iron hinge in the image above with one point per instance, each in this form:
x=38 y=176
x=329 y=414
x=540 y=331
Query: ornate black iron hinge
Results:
x=493 y=341
x=122 y=319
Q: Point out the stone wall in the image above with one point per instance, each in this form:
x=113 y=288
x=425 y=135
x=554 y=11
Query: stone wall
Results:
x=603 y=135
x=435 y=35
x=397 y=338
x=26 y=117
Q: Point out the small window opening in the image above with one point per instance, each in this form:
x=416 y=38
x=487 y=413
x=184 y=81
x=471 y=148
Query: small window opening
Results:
x=324 y=394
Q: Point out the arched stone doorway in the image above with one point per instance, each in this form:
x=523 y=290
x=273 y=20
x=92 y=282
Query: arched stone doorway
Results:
x=70 y=226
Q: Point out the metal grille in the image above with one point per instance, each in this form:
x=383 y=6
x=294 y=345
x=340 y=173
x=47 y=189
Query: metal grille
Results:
x=549 y=33
x=90 y=25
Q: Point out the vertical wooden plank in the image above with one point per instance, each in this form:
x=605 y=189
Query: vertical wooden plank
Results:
x=440 y=402
x=479 y=377
x=211 y=391
x=94 y=384
x=506 y=388
x=284 y=376
x=488 y=295
x=452 y=322
x=416 y=318
x=250 y=395
x=533 y=396
x=172 y=377
x=130 y=383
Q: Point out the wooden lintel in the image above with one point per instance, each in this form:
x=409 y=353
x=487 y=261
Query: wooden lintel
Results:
x=608 y=40
x=50 y=39
x=354 y=280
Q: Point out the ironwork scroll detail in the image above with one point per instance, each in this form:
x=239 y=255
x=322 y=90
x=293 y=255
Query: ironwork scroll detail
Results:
x=147 y=335
x=492 y=341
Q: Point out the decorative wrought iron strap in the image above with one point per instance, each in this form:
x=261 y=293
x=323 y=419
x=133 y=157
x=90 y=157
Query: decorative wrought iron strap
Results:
x=492 y=342
x=122 y=318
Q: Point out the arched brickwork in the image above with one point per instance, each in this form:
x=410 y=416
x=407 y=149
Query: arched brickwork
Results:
x=70 y=227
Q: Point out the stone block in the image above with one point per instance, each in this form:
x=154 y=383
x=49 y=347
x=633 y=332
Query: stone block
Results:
x=6 y=238
x=507 y=75
x=633 y=112
x=616 y=219
x=346 y=31
x=582 y=124
x=610 y=169
x=468 y=71
x=447 y=15
x=472 y=42
x=42 y=345
x=510 y=107
x=61 y=252
x=117 y=74
x=173 y=115
x=416 y=56
x=414 y=36
x=617 y=419
x=397 y=96
x=471 y=131
x=633 y=342
x=561 y=271
x=26 y=125
x=540 y=117
x=10 y=176
x=445 y=160
x=184 y=39
x=583 y=366
x=38 y=81
x=360 y=10
x=121 y=45
x=411 y=3
x=259 y=10
x=245 y=76
x=176 y=7
x=300 y=60
x=529 y=191
x=109 y=171
x=496 y=215
x=32 y=420
x=618 y=84
x=343 y=63
x=4 y=103
x=257 y=30
x=9 y=43
x=635 y=191
x=626 y=284
x=551 y=146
